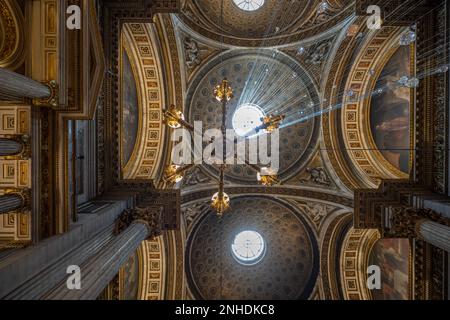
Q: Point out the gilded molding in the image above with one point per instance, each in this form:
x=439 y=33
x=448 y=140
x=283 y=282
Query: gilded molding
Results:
x=52 y=99
x=146 y=62
x=12 y=51
x=354 y=262
x=362 y=150
x=153 y=266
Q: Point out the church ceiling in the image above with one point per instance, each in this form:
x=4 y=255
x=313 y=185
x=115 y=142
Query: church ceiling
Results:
x=213 y=272
x=270 y=80
x=297 y=69
x=274 y=23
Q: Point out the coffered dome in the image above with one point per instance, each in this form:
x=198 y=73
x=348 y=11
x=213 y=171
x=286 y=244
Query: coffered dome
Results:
x=264 y=82
x=262 y=22
x=286 y=268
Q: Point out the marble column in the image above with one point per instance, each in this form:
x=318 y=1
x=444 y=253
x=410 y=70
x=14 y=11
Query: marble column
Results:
x=10 y=147
x=13 y=84
x=38 y=286
x=133 y=227
x=10 y=202
x=98 y=272
x=33 y=272
x=435 y=233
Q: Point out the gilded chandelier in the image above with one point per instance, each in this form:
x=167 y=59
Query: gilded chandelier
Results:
x=174 y=118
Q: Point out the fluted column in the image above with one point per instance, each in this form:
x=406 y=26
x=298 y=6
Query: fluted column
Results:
x=47 y=279
x=435 y=234
x=14 y=85
x=17 y=85
x=133 y=227
x=10 y=202
x=426 y=224
x=10 y=147
x=33 y=272
x=98 y=272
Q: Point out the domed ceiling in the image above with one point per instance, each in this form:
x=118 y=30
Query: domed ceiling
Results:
x=276 y=84
x=288 y=270
x=272 y=23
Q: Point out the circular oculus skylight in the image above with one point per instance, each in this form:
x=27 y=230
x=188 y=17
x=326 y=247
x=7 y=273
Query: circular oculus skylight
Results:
x=248 y=247
x=249 y=5
x=246 y=119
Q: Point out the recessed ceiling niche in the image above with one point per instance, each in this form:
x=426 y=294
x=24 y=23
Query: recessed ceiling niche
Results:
x=258 y=23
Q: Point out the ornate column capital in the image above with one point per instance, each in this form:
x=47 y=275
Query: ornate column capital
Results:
x=150 y=216
x=52 y=99
x=406 y=221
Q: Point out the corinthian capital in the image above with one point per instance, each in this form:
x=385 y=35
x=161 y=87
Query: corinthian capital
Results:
x=406 y=220
x=151 y=216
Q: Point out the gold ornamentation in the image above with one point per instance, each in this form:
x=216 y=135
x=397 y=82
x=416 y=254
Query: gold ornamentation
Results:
x=174 y=118
x=15 y=174
x=174 y=173
x=371 y=165
x=52 y=100
x=223 y=91
x=220 y=201
x=271 y=123
x=147 y=155
x=267 y=178
x=354 y=261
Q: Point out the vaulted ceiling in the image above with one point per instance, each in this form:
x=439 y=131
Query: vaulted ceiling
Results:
x=274 y=23
x=286 y=57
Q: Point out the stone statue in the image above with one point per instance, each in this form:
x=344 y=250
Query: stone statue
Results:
x=318 y=176
x=318 y=53
x=192 y=211
x=316 y=211
x=192 y=52
x=196 y=177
